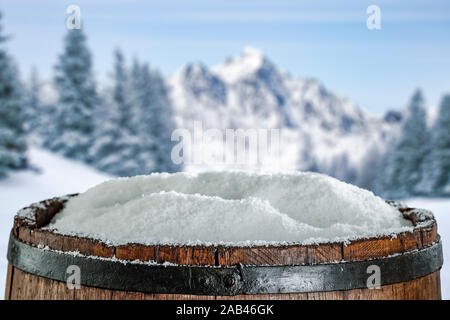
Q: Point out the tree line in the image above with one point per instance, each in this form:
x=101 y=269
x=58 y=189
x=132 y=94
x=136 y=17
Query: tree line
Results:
x=418 y=162
x=124 y=130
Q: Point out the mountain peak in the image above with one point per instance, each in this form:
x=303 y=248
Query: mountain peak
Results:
x=193 y=73
x=251 y=52
x=247 y=63
x=192 y=69
x=201 y=83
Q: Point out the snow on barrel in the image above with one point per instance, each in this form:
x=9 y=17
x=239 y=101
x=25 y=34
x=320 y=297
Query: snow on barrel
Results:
x=227 y=235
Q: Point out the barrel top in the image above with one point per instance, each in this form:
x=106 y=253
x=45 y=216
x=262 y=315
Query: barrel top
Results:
x=29 y=226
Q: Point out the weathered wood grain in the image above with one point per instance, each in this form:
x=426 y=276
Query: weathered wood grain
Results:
x=9 y=278
x=30 y=287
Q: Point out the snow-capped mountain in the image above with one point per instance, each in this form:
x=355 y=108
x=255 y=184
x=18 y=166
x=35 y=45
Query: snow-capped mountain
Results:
x=319 y=129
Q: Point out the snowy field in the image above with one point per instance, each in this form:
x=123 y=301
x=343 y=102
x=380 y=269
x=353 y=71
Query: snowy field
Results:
x=54 y=178
x=58 y=176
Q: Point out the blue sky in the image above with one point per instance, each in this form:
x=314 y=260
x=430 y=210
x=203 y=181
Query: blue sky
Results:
x=328 y=40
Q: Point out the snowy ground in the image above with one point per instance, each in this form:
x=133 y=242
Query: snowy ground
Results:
x=58 y=177
x=61 y=176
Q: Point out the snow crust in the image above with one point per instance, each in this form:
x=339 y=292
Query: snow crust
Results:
x=232 y=208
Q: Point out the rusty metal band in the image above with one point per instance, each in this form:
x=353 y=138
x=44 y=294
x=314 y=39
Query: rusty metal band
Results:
x=226 y=281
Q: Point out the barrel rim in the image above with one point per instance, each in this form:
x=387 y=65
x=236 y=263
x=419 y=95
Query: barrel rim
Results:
x=28 y=224
x=224 y=280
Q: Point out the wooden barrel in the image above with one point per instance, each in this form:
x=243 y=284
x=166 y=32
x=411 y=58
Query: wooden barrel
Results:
x=40 y=264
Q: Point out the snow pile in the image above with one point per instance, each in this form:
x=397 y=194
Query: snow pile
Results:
x=234 y=208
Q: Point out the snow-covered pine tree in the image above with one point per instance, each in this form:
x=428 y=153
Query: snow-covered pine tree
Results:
x=370 y=168
x=136 y=93
x=436 y=167
x=12 y=134
x=117 y=146
x=32 y=102
x=40 y=110
x=120 y=92
x=402 y=166
x=441 y=146
x=75 y=84
x=156 y=120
